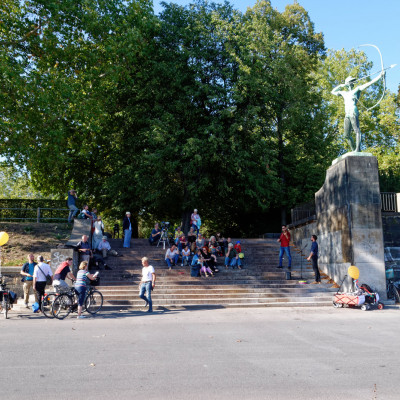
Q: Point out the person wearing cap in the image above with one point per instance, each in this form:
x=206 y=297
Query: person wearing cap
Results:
x=195 y=221
x=127 y=227
x=238 y=247
x=155 y=235
x=105 y=248
x=351 y=97
x=98 y=227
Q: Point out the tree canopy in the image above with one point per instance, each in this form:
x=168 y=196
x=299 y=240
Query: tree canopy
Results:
x=199 y=107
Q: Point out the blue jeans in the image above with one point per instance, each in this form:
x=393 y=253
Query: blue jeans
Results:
x=146 y=287
x=81 y=294
x=287 y=251
x=73 y=210
x=188 y=259
x=196 y=229
x=233 y=262
x=175 y=260
x=127 y=238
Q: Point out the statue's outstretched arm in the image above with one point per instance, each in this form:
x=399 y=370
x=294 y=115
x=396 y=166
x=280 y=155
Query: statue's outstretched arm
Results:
x=336 y=90
x=362 y=87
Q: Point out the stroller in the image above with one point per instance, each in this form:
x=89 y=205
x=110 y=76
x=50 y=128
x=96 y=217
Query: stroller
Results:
x=363 y=297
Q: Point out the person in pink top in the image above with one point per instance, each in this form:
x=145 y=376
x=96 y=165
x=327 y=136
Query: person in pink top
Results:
x=284 y=239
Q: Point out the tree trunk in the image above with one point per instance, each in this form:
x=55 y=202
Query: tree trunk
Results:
x=186 y=221
x=281 y=171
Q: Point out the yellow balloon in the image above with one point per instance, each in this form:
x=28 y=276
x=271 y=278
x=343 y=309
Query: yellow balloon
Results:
x=3 y=238
x=354 y=272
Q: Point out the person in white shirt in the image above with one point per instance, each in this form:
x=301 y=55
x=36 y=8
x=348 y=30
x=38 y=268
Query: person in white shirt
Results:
x=172 y=256
x=186 y=257
x=147 y=283
x=39 y=278
x=195 y=221
x=105 y=248
x=98 y=232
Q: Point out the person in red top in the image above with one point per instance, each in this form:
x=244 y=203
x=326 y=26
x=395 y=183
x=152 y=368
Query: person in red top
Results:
x=238 y=247
x=63 y=271
x=284 y=239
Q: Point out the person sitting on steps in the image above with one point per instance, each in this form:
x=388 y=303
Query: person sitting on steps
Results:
x=232 y=258
x=155 y=235
x=172 y=256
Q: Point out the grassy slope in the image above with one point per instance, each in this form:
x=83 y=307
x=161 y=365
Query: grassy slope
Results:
x=34 y=238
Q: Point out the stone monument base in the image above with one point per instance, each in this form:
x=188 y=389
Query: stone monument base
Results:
x=349 y=221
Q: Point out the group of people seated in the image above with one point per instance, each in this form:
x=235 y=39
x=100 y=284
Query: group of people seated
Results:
x=195 y=250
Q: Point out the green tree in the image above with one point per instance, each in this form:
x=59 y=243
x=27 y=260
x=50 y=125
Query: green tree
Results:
x=16 y=184
x=276 y=96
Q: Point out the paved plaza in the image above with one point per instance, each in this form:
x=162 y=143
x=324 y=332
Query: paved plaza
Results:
x=258 y=353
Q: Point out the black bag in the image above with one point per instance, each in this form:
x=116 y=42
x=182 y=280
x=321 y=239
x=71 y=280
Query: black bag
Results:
x=49 y=281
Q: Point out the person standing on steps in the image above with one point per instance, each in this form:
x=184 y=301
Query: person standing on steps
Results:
x=147 y=283
x=284 y=240
x=71 y=202
x=314 y=258
x=127 y=227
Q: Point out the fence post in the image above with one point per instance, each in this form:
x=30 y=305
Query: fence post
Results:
x=398 y=202
x=38 y=215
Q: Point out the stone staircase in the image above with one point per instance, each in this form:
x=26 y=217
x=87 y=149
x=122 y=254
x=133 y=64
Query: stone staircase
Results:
x=258 y=284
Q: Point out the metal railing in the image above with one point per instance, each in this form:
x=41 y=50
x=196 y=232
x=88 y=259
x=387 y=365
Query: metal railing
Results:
x=390 y=201
x=303 y=212
x=34 y=214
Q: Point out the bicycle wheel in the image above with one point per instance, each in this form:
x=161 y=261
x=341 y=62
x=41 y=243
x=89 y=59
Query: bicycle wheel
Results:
x=390 y=290
x=94 y=302
x=396 y=294
x=4 y=305
x=61 y=306
x=47 y=304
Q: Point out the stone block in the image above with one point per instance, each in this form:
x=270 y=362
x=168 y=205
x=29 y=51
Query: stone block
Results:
x=60 y=255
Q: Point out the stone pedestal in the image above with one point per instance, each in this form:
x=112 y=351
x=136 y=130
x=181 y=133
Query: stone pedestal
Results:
x=349 y=222
x=60 y=255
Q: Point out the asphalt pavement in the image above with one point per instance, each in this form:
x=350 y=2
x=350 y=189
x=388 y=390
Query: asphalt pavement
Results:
x=259 y=353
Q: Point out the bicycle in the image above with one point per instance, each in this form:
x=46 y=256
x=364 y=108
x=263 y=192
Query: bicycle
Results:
x=47 y=304
x=65 y=303
x=392 y=286
x=393 y=290
x=5 y=304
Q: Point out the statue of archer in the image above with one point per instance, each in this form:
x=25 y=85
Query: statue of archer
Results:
x=351 y=97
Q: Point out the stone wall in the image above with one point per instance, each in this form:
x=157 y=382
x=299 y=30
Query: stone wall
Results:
x=349 y=223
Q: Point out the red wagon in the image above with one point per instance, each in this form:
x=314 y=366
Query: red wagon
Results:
x=364 y=298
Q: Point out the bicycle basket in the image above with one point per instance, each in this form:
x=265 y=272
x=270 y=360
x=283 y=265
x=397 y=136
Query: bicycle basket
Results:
x=95 y=282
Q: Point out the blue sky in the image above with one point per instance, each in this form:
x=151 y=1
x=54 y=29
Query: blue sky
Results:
x=348 y=23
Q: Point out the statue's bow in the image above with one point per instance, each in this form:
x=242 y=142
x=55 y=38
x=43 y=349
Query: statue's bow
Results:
x=383 y=77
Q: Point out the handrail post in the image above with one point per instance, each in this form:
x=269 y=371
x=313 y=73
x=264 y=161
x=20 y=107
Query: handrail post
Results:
x=38 y=215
